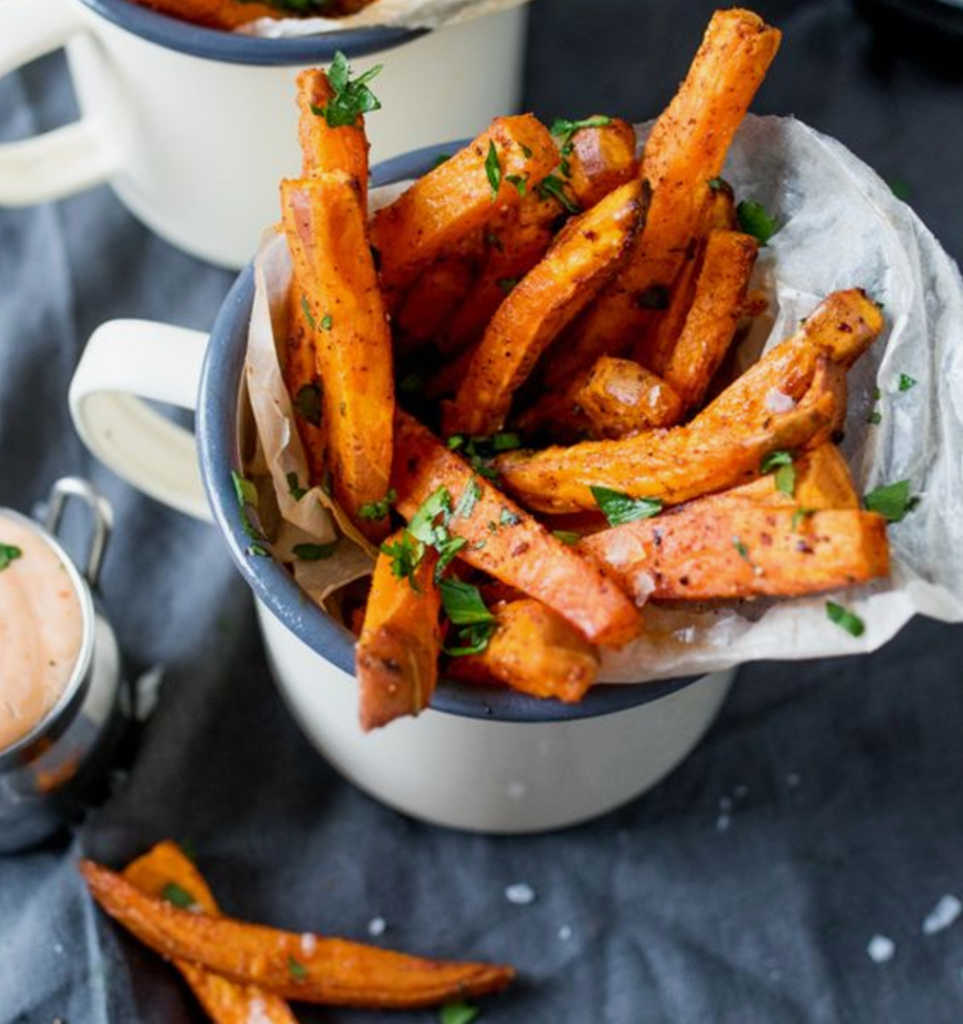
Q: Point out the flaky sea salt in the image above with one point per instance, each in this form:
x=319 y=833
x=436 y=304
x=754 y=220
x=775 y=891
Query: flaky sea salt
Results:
x=377 y=926
x=309 y=944
x=520 y=894
x=881 y=949
x=942 y=915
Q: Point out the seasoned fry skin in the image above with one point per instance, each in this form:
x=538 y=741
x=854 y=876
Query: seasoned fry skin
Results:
x=509 y=544
x=686 y=150
x=621 y=398
x=534 y=651
x=325 y=226
x=225 y=1002
x=602 y=160
x=326 y=149
x=397 y=654
x=457 y=198
x=581 y=259
x=739 y=551
x=335 y=973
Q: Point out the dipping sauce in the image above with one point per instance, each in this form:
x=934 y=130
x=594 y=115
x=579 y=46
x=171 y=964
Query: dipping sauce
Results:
x=41 y=629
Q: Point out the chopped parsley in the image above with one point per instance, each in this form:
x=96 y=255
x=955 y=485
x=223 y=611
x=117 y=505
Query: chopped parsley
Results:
x=308 y=315
x=8 y=554
x=552 y=187
x=307 y=402
x=468 y=500
x=564 y=130
x=799 y=515
x=247 y=498
x=447 y=550
x=458 y=1013
x=442 y=158
x=519 y=181
x=845 y=619
x=298 y=970
x=294 y=487
x=874 y=418
x=465 y=607
x=619 y=508
x=900 y=189
x=754 y=220
x=741 y=548
x=906 y=382
x=567 y=536
x=374 y=510
x=406 y=554
x=509 y=518
x=471 y=639
x=479 y=451
x=493 y=169
x=893 y=501
x=327 y=322
x=350 y=99
x=314 y=552
x=780 y=464
x=179 y=896
x=719 y=185
x=424 y=525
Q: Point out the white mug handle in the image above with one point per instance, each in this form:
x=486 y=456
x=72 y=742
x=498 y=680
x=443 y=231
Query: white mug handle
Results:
x=127 y=361
x=65 y=160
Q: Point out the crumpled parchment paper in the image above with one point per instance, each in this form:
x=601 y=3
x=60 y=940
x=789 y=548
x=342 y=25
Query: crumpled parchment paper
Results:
x=840 y=227
x=380 y=14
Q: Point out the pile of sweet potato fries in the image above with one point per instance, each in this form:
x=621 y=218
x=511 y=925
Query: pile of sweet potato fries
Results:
x=522 y=357
x=244 y=973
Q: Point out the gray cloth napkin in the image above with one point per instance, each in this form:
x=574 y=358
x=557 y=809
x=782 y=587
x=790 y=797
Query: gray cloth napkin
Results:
x=824 y=810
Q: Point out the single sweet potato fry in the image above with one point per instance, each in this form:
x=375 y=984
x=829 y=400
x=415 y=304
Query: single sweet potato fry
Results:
x=741 y=551
x=673 y=465
x=602 y=159
x=534 y=651
x=334 y=972
x=397 y=655
x=720 y=292
x=300 y=370
x=621 y=398
x=326 y=149
x=459 y=197
x=325 y=225
x=437 y=296
x=506 y=542
x=582 y=258
x=165 y=868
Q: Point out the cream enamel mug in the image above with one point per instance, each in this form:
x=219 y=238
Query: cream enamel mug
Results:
x=194 y=128
x=481 y=759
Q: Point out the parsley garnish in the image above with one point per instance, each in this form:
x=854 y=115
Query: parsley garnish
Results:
x=799 y=515
x=519 y=181
x=458 y=1013
x=846 y=619
x=619 y=508
x=406 y=554
x=564 y=129
x=298 y=970
x=781 y=465
x=567 y=536
x=741 y=548
x=719 y=185
x=308 y=403
x=424 y=526
x=447 y=550
x=8 y=554
x=464 y=607
x=875 y=418
x=893 y=501
x=314 y=552
x=468 y=500
x=509 y=518
x=247 y=497
x=442 y=158
x=900 y=189
x=493 y=169
x=481 y=450
x=906 y=382
x=349 y=99
x=176 y=894
x=552 y=187
x=308 y=315
x=375 y=510
x=294 y=487
x=327 y=322
x=754 y=220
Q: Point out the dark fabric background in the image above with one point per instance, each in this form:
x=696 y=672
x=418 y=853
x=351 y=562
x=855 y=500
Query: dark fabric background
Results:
x=845 y=778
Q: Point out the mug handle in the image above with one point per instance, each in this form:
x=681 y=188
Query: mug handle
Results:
x=66 y=160
x=125 y=362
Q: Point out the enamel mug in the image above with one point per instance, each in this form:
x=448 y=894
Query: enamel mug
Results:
x=483 y=759
x=193 y=128
x=50 y=773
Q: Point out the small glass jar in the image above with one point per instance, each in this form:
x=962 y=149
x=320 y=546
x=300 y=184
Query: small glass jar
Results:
x=48 y=775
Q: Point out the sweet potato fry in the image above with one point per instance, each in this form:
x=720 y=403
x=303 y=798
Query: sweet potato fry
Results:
x=459 y=197
x=686 y=150
x=335 y=972
x=325 y=226
x=534 y=651
x=507 y=543
x=621 y=398
x=225 y=1002
x=434 y=299
x=691 y=361
x=223 y=14
x=741 y=551
x=299 y=367
x=397 y=655
x=602 y=160
x=673 y=466
x=581 y=259
x=326 y=149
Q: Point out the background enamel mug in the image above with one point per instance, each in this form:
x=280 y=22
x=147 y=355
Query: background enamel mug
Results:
x=48 y=775
x=194 y=128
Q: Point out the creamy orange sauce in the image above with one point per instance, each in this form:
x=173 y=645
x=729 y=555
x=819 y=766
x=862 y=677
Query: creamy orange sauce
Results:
x=41 y=630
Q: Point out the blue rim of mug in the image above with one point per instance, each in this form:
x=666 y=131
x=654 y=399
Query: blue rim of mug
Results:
x=217 y=439
x=233 y=48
